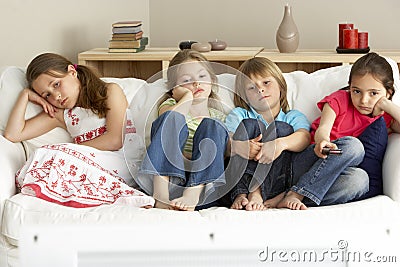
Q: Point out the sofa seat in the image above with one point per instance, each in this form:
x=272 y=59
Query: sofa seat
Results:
x=381 y=212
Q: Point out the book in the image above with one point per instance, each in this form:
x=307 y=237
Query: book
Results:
x=127 y=36
x=133 y=29
x=129 y=44
x=126 y=50
x=130 y=23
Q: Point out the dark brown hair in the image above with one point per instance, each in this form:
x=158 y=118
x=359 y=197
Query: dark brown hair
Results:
x=259 y=66
x=378 y=67
x=93 y=91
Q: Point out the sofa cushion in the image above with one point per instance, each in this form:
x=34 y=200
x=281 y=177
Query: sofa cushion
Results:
x=22 y=210
x=374 y=140
x=12 y=82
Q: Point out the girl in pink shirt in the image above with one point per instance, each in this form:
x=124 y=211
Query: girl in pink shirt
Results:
x=357 y=121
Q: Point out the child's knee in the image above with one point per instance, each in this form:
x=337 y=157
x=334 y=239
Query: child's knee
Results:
x=283 y=129
x=359 y=182
x=352 y=148
x=248 y=129
x=213 y=129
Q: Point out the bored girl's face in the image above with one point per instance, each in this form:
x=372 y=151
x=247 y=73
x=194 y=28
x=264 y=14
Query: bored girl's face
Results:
x=365 y=92
x=61 y=92
x=194 y=76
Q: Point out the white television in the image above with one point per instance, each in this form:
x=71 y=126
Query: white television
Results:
x=208 y=244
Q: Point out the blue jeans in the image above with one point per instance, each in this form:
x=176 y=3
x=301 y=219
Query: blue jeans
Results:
x=164 y=157
x=271 y=178
x=333 y=180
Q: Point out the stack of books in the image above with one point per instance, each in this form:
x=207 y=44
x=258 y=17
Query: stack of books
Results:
x=127 y=37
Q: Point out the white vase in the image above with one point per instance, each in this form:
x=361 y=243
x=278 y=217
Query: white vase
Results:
x=287 y=35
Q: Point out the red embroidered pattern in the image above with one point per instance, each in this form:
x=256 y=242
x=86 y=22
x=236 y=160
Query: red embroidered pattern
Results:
x=74 y=117
x=129 y=127
x=68 y=184
x=90 y=135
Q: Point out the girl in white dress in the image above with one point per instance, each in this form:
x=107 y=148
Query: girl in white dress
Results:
x=93 y=170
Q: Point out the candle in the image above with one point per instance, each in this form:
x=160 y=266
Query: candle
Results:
x=363 y=40
x=350 y=38
x=343 y=26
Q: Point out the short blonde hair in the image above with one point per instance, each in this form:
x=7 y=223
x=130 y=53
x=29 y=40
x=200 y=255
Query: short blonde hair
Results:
x=259 y=66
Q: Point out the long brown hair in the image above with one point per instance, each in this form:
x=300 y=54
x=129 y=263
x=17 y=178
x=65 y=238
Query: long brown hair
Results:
x=93 y=91
x=378 y=67
x=184 y=56
x=259 y=66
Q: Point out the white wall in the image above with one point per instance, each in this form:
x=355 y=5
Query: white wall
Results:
x=254 y=22
x=30 y=27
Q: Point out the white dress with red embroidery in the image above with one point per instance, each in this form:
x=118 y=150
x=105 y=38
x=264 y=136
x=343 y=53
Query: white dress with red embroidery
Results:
x=82 y=176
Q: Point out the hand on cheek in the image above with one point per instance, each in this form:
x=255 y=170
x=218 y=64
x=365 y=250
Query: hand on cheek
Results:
x=379 y=106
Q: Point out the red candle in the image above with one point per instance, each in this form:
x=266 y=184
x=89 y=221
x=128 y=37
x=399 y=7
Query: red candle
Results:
x=363 y=40
x=350 y=38
x=343 y=26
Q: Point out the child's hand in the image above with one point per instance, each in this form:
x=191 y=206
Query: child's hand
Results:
x=319 y=146
x=179 y=91
x=269 y=152
x=247 y=149
x=379 y=106
x=37 y=99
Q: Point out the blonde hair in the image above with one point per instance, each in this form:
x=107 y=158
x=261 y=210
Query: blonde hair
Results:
x=185 y=56
x=93 y=91
x=259 y=66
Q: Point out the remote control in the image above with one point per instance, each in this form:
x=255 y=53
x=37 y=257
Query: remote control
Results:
x=331 y=151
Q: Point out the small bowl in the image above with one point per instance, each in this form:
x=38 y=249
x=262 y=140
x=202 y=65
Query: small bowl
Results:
x=217 y=45
x=186 y=44
x=201 y=47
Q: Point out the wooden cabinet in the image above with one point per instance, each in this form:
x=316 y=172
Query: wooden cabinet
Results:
x=145 y=64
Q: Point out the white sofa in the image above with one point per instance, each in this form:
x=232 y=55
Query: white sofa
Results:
x=378 y=216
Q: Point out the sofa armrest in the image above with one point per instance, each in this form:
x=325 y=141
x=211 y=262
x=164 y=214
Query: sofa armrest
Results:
x=12 y=158
x=391 y=168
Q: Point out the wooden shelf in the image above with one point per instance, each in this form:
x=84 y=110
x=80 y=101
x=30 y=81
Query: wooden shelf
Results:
x=153 y=60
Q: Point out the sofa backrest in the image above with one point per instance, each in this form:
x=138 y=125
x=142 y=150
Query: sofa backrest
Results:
x=304 y=91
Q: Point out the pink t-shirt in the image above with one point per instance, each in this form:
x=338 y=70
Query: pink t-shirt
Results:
x=348 y=122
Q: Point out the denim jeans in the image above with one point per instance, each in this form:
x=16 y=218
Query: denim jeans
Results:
x=333 y=180
x=272 y=177
x=164 y=155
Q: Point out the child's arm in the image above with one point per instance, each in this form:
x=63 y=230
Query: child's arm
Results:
x=295 y=142
x=246 y=149
x=183 y=97
x=386 y=105
x=112 y=139
x=322 y=134
x=18 y=129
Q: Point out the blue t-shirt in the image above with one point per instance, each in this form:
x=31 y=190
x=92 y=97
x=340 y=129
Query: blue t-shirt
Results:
x=294 y=118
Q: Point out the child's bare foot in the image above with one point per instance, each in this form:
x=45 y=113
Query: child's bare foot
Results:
x=163 y=205
x=255 y=202
x=273 y=202
x=182 y=203
x=292 y=201
x=240 y=202
x=189 y=198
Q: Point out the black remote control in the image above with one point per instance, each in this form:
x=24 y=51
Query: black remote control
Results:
x=331 y=151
